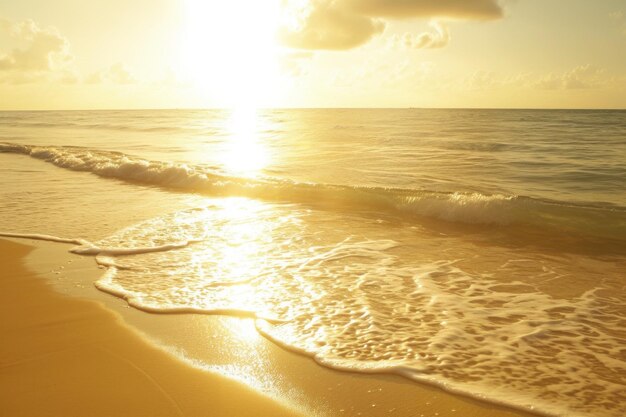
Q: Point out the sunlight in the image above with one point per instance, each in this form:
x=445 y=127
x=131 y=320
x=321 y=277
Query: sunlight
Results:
x=244 y=153
x=229 y=51
x=237 y=260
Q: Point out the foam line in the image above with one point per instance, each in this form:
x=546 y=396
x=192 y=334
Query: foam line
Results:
x=87 y=248
x=36 y=236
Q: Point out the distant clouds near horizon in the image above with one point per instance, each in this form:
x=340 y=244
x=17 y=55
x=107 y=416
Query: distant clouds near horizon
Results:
x=313 y=53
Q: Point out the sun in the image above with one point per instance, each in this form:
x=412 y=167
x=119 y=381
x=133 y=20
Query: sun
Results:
x=229 y=52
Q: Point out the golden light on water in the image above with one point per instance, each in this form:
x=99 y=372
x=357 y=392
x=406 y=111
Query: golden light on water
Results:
x=244 y=152
x=239 y=258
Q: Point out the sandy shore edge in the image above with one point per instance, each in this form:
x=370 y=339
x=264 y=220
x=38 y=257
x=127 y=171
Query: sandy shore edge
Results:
x=78 y=351
x=63 y=356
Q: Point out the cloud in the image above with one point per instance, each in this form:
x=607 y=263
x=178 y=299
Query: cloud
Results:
x=346 y=24
x=581 y=77
x=38 y=53
x=377 y=72
x=481 y=80
x=295 y=64
x=117 y=74
x=406 y=9
x=439 y=38
x=326 y=24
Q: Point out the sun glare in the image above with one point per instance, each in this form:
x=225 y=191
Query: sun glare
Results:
x=229 y=51
x=244 y=153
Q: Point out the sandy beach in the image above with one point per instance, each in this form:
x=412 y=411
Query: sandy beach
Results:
x=68 y=355
x=71 y=357
x=321 y=208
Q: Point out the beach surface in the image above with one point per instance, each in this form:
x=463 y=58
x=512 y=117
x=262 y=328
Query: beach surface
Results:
x=75 y=354
x=64 y=356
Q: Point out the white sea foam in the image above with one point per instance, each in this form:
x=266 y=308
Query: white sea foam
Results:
x=84 y=247
x=367 y=303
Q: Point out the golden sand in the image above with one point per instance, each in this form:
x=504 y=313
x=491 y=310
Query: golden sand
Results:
x=68 y=356
x=62 y=356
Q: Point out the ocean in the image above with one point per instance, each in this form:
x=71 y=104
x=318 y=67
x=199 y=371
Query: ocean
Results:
x=482 y=251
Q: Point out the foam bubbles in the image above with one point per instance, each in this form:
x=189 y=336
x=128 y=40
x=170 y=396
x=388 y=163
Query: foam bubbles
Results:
x=334 y=288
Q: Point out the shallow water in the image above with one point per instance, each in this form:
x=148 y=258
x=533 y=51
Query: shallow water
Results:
x=480 y=250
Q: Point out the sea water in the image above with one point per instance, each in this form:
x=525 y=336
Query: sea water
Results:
x=483 y=251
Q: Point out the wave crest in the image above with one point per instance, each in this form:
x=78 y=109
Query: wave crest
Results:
x=460 y=207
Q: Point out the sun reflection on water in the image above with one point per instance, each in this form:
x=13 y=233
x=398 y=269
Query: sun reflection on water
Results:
x=244 y=153
x=240 y=231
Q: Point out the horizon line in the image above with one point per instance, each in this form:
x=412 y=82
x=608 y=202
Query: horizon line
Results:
x=322 y=108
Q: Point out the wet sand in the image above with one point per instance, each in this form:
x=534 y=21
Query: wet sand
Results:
x=74 y=351
x=63 y=356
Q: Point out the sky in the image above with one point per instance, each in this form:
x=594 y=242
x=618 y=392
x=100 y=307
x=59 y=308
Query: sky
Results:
x=101 y=54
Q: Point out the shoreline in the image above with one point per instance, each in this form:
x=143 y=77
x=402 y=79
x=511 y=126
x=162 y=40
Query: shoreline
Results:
x=231 y=347
x=74 y=357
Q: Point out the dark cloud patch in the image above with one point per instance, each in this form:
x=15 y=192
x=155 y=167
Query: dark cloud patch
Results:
x=406 y=9
x=346 y=24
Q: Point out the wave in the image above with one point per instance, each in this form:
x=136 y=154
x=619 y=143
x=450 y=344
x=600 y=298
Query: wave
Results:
x=598 y=221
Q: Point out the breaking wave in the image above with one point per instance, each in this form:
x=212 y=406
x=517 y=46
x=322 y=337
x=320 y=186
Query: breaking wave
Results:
x=602 y=221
